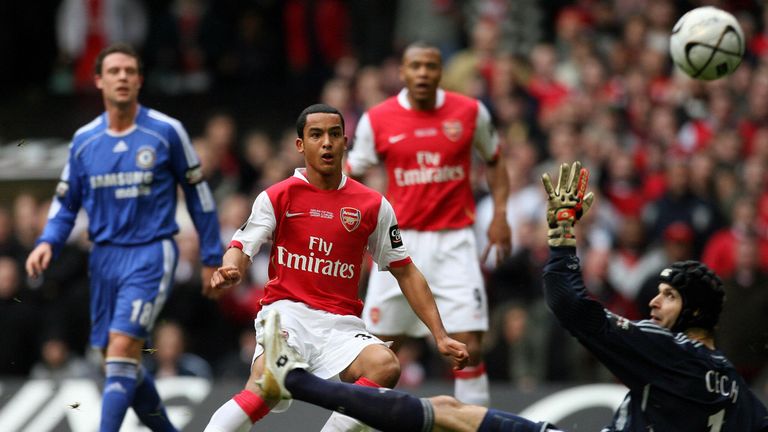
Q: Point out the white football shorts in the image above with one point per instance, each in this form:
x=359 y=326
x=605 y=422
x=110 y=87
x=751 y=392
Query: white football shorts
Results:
x=328 y=342
x=450 y=263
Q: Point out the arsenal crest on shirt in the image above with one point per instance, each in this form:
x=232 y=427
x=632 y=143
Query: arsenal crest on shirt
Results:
x=350 y=218
x=452 y=129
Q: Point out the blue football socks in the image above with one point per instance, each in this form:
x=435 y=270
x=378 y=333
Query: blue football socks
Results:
x=380 y=408
x=119 y=389
x=148 y=405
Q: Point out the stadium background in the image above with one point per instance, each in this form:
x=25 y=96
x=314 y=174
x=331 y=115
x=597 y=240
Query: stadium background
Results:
x=679 y=166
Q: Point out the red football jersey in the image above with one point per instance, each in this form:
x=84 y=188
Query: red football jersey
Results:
x=319 y=240
x=427 y=156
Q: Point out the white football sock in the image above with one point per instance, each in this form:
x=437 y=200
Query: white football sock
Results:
x=229 y=418
x=471 y=386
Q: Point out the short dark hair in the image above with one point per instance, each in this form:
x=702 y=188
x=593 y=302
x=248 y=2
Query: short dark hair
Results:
x=315 y=109
x=701 y=291
x=420 y=44
x=118 y=47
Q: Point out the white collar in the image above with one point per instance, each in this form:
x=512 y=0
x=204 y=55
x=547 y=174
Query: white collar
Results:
x=300 y=173
x=402 y=99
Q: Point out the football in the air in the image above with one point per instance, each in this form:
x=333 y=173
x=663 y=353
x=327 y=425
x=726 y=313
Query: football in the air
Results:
x=707 y=43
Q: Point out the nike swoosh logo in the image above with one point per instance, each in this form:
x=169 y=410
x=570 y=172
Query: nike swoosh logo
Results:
x=290 y=215
x=395 y=138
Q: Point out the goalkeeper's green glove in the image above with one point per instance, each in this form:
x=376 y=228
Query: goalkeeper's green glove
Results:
x=566 y=203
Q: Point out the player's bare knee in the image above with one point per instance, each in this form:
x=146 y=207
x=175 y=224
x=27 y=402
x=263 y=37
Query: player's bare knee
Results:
x=444 y=402
x=387 y=369
x=124 y=346
x=376 y=363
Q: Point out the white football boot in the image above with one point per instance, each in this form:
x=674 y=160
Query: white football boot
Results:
x=279 y=359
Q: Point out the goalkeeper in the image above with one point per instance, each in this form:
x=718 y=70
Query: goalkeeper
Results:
x=678 y=381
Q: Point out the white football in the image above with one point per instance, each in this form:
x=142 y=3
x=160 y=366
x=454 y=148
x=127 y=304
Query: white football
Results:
x=707 y=43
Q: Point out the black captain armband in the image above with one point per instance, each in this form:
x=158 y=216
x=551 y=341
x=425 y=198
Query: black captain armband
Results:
x=62 y=188
x=194 y=175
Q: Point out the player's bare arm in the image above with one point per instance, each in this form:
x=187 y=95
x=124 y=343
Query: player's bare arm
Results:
x=499 y=232
x=419 y=296
x=229 y=274
x=39 y=259
x=206 y=273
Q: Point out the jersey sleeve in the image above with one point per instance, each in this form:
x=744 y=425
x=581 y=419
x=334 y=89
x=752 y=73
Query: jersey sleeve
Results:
x=198 y=196
x=636 y=352
x=259 y=227
x=65 y=204
x=385 y=244
x=485 y=140
x=363 y=153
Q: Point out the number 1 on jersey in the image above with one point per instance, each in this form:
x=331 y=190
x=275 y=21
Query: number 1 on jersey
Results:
x=715 y=421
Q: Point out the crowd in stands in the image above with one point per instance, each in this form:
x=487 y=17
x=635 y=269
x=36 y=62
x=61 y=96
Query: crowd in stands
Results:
x=678 y=166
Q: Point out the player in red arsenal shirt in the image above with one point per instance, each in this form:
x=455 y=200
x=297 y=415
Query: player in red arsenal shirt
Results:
x=425 y=136
x=321 y=223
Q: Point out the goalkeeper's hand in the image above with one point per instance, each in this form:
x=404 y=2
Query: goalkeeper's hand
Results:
x=566 y=203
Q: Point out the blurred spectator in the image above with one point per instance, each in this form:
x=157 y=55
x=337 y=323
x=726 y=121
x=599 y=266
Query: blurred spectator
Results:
x=720 y=249
x=219 y=153
x=679 y=204
x=437 y=23
x=175 y=61
x=372 y=24
x=755 y=115
x=20 y=320
x=234 y=210
x=474 y=63
x=239 y=305
x=236 y=364
x=600 y=283
x=561 y=146
x=525 y=201
x=84 y=27
x=58 y=362
x=368 y=88
x=9 y=244
x=288 y=154
x=209 y=338
x=697 y=133
x=621 y=183
x=312 y=46
x=515 y=345
x=25 y=220
x=742 y=333
x=520 y=22
x=170 y=358
x=337 y=92
x=630 y=264
x=544 y=85
x=517 y=279
x=677 y=245
x=726 y=149
x=63 y=289
x=702 y=174
x=754 y=182
x=258 y=151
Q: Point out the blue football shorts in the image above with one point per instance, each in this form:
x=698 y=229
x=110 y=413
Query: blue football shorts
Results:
x=129 y=286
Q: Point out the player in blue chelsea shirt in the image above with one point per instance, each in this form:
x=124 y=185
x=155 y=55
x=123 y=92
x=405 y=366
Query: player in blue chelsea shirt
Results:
x=678 y=381
x=123 y=169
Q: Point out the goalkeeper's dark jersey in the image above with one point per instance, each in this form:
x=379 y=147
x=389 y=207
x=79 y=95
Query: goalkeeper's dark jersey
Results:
x=676 y=384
